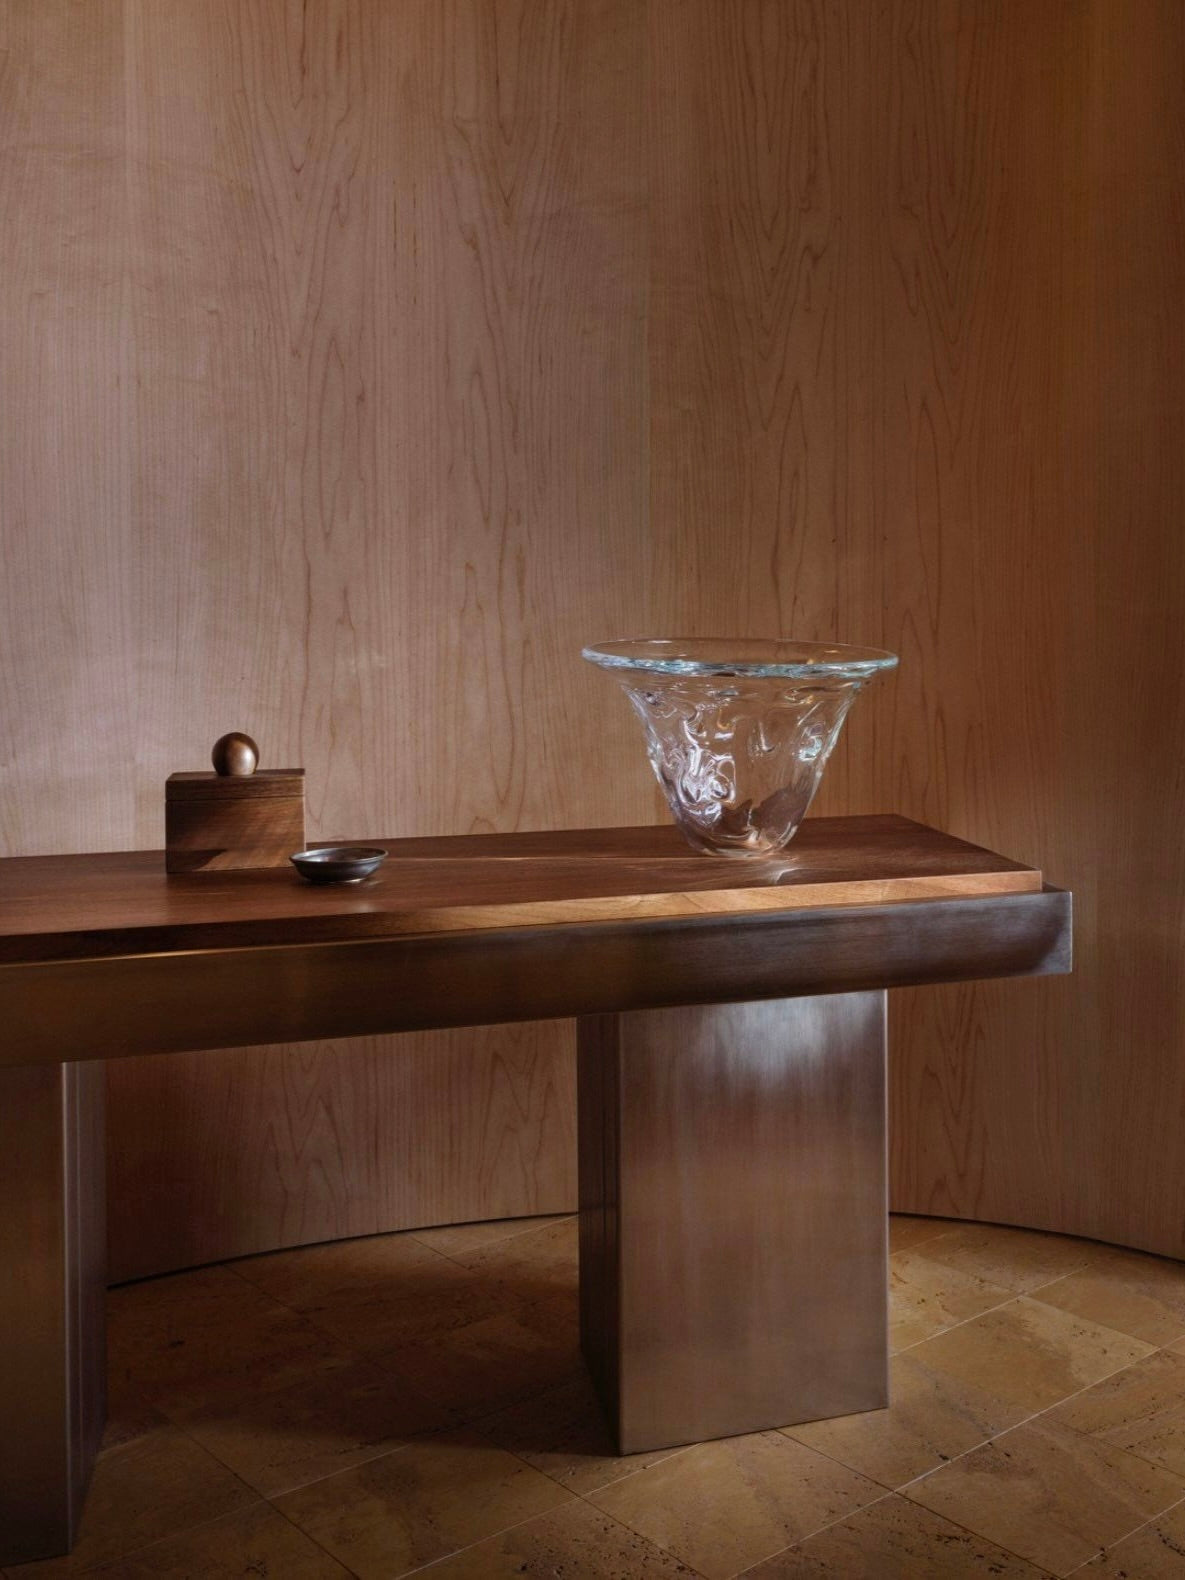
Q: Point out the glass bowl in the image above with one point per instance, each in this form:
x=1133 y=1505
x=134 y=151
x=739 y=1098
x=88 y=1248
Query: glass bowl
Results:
x=739 y=731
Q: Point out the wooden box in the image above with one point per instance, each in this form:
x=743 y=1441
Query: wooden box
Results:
x=217 y=823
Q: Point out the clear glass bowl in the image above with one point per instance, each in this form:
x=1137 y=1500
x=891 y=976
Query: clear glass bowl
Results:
x=739 y=732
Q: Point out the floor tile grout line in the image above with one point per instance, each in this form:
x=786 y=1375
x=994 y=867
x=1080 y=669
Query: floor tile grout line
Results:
x=469 y=1546
x=169 y=1422
x=1028 y=1420
x=887 y=1491
x=1103 y=1550
x=828 y=1525
x=664 y=1455
x=587 y=1496
x=617 y=1520
x=1028 y=1295
x=553 y=1221
x=787 y=1431
x=531 y=1520
x=158 y=1541
x=413 y=1439
x=385 y=1453
x=368 y=1358
x=851 y=1515
x=284 y=1305
x=1089 y=1436
x=961 y=1323
x=1035 y=1294
x=901 y=1490
x=613 y=1518
x=509 y=1240
x=1042 y=1569
x=309 y=1537
x=637 y=1470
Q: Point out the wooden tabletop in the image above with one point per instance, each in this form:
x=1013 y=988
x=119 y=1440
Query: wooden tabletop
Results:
x=107 y=956
x=98 y=906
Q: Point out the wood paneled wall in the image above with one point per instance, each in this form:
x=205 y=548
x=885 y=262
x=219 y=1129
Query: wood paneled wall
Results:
x=360 y=361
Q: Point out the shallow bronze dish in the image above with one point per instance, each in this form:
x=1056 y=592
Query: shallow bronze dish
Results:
x=338 y=863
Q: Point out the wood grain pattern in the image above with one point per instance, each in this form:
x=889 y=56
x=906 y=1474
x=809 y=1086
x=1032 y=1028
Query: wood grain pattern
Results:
x=927 y=398
x=110 y=952
x=981 y=567
x=172 y=1001
x=364 y=360
x=69 y=907
x=217 y=823
x=329 y=330
x=329 y=1139
x=1133 y=477
x=1039 y=264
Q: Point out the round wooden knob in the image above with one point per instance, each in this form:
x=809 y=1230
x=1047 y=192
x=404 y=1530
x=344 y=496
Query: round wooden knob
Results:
x=235 y=755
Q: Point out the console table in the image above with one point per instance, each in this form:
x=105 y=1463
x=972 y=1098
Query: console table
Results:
x=733 y=1205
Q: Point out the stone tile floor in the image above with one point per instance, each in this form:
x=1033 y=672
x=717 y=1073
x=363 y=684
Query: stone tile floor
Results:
x=416 y=1402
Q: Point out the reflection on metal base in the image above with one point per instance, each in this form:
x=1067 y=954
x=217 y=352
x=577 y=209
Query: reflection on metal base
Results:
x=733 y=1215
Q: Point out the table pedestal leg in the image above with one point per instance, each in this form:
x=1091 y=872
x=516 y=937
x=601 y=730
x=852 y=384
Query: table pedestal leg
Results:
x=733 y=1215
x=52 y=1290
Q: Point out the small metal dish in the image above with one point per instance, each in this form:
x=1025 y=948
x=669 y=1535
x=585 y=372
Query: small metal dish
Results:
x=338 y=863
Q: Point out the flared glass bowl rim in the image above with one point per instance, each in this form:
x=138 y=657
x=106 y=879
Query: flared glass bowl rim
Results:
x=743 y=657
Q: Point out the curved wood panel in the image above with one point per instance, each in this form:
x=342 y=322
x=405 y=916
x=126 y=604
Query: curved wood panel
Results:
x=290 y=1144
x=1034 y=319
x=332 y=428
x=918 y=370
x=366 y=359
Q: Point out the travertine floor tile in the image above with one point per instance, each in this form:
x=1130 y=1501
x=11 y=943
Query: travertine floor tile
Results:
x=188 y=1340
x=1028 y=1355
x=932 y=1417
x=722 y=1507
x=563 y=1433
x=375 y=1293
x=1126 y=1290
x=455 y=1239
x=1155 y=1552
x=403 y=1510
x=576 y=1541
x=319 y=1407
x=906 y=1230
x=143 y=1490
x=1049 y=1494
x=252 y=1545
x=1017 y=1259
x=1141 y=1408
x=533 y=1266
x=927 y=1296
x=278 y=1441
x=894 y=1540
x=497 y=1361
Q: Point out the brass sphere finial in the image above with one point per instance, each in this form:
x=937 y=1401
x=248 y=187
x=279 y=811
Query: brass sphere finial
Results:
x=235 y=755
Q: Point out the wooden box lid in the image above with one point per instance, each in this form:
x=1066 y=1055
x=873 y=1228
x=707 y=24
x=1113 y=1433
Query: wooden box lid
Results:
x=264 y=784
